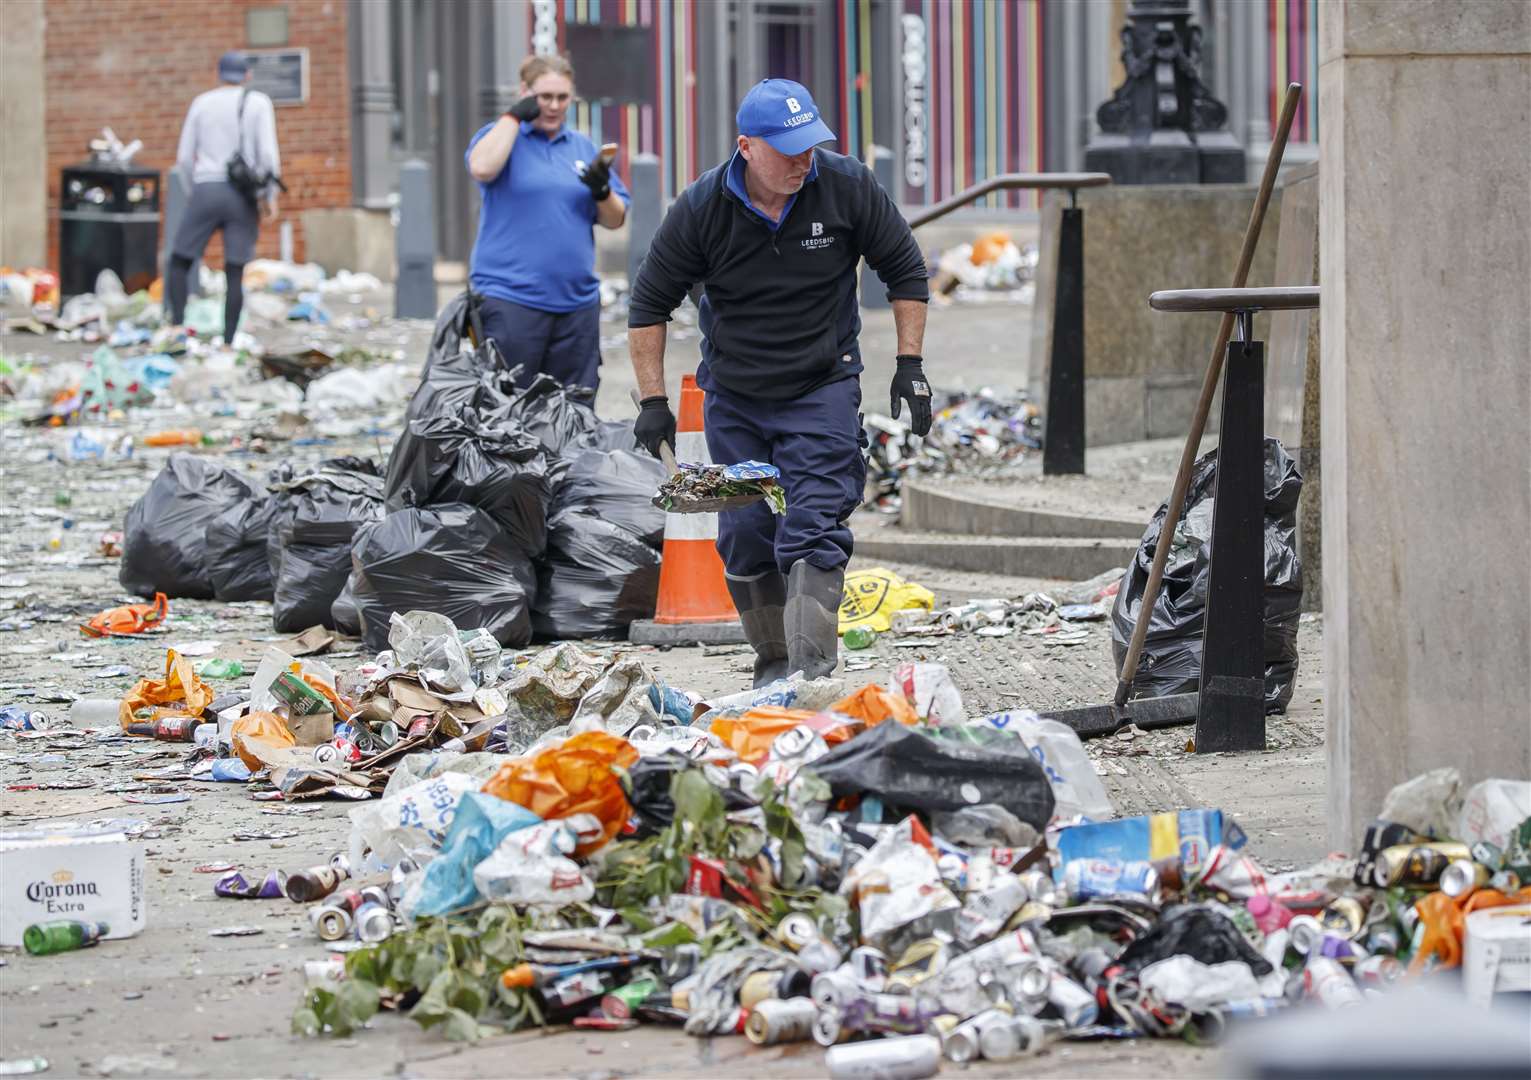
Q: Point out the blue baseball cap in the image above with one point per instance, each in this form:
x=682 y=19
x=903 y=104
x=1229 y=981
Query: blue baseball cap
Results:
x=233 y=67
x=782 y=113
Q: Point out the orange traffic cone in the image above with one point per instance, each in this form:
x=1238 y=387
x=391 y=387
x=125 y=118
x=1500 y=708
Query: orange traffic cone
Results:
x=694 y=605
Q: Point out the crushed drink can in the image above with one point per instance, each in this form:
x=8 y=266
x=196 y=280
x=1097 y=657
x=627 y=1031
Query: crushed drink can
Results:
x=831 y=989
x=1327 y=980
x=1074 y=1003
x=347 y=750
x=1040 y=887
x=373 y=922
x=778 y=1021
x=910 y=1058
x=1305 y=933
x=827 y=1029
x=1416 y=864
x=870 y=966
x=1378 y=970
x=1095 y=879
x=1344 y=916
x=1462 y=877
x=325 y=753
x=623 y=1002
x=330 y=923
x=888 y=1014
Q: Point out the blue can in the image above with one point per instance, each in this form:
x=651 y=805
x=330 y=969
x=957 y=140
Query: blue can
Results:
x=1093 y=879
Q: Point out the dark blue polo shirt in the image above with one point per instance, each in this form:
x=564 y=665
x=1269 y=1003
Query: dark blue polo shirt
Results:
x=536 y=239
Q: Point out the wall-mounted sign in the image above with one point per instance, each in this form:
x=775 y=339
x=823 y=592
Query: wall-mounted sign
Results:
x=281 y=74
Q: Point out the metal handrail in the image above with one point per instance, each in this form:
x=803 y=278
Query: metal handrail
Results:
x=1010 y=182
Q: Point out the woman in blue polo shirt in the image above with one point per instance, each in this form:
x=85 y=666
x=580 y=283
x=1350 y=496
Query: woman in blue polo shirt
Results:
x=544 y=188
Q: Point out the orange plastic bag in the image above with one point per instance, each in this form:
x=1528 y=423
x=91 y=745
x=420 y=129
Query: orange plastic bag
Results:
x=577 y=777
x=989 y=247
x=1445 y=922
x=750 y=735
x=266 y=728
x=127 y=619
x=180 y=693
x=873 y=704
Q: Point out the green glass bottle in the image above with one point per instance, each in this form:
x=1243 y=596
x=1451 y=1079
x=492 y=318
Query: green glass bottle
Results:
x=64 y=935
x=860 y=637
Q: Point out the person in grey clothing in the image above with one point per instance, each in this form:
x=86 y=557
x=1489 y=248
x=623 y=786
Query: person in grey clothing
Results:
x=221 y=123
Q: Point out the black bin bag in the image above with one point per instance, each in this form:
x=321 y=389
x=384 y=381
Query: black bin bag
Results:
x=452 y=559
x=309 y=542
x=442 y=459
x=164 y=537
x=558 y=416
x=912 y=770
x=1171 y=662
x=236 y=551
x=596 y=580
x=615 y=485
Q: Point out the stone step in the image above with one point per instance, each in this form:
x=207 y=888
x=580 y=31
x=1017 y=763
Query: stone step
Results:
x=927 y=506
x=1060 y=557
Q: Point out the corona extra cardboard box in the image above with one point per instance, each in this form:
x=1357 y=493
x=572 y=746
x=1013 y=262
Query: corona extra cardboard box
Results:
x=90 y=872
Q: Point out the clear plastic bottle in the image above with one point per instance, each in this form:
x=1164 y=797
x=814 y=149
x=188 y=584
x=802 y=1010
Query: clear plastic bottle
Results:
x=94 y=712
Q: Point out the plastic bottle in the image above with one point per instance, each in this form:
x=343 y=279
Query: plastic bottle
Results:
x=94 y=712
x=219 y=668
x=1270 y=915
x=63 y=935
x=860 y=637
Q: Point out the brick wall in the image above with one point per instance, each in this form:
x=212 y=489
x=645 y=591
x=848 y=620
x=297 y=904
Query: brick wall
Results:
x=136 y=65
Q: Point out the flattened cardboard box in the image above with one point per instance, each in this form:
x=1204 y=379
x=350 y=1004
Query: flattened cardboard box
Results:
x=92 y=876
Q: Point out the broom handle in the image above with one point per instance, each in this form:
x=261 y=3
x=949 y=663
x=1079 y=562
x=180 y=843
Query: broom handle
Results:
x=1204 y=402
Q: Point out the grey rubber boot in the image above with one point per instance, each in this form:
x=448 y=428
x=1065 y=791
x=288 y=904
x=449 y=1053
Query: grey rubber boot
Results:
x=760 y=603
x=813 y=619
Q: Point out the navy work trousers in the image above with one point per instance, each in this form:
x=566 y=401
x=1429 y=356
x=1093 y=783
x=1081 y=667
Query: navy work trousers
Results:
x=816 y=441
x=565 y=344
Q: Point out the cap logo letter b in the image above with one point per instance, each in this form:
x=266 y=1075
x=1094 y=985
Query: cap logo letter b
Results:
x=793 y=106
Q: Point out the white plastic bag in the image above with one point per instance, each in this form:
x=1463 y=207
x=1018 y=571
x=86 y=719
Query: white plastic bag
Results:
x=930 y=690
x=409 y=825
x=1493 y=810
x=1056 y=746
x=1427 y=803
x=897 y=883
x=531 y=865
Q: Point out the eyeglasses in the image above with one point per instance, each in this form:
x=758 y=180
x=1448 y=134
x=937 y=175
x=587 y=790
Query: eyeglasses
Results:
x=554 y=99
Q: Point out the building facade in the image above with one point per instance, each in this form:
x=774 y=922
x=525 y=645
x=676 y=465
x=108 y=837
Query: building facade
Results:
x=955 y=90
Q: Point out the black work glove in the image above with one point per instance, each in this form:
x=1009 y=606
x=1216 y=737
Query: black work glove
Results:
x=526 y=110
x=655 y=424
x=909 y=385
x=597 y=177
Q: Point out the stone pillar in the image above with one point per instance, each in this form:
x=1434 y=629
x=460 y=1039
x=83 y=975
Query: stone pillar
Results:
x=1425 y=255
x=372 y=104
x=24 y=162
x=505 y=45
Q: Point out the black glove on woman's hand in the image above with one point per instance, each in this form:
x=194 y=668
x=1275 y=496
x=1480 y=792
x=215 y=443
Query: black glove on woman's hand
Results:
x=597 y=177
x=909 y=385
x=655 y=424
x=526 y=110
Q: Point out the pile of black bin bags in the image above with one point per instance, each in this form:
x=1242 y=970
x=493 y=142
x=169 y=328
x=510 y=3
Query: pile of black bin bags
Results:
x=515 y=510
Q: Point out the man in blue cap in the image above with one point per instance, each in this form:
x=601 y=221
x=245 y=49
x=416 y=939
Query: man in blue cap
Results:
x=775 y=236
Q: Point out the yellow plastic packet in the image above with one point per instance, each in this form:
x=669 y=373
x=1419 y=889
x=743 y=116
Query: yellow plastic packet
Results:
x=266 y=728
x=870 y=598
x=179 y=693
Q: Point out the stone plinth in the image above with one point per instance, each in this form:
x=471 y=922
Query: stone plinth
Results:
x=1425 y=253
x=350 y=238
